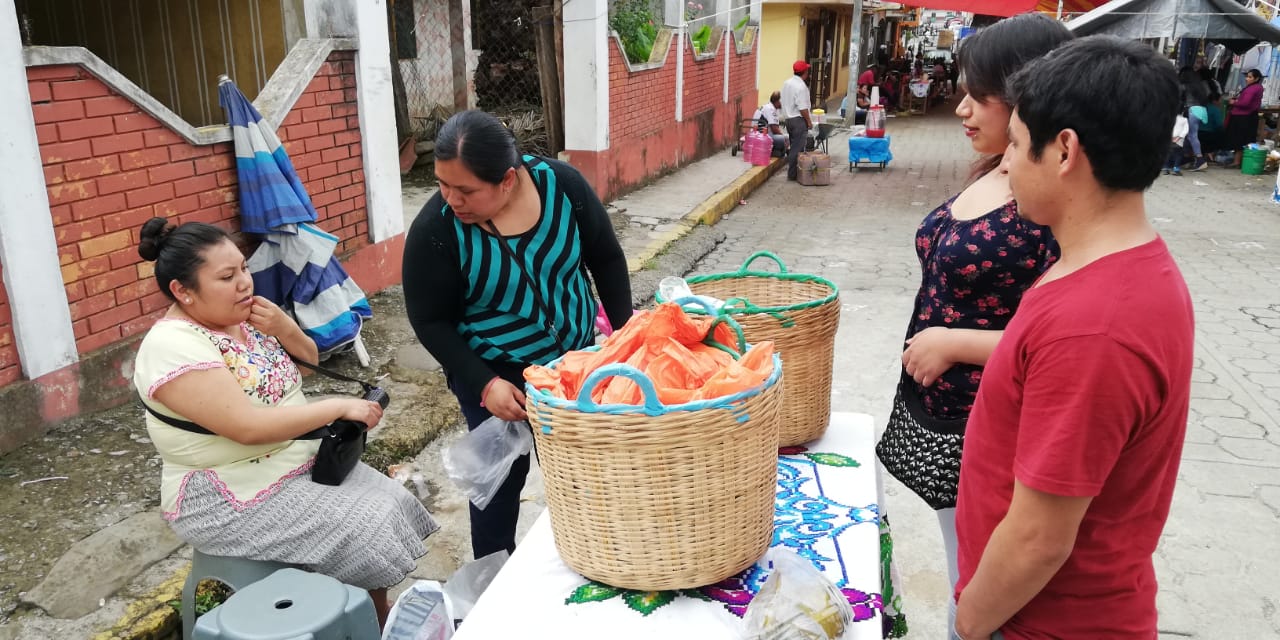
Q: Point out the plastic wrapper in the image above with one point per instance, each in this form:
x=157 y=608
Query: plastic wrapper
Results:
x=470 y=580
x=480 y=461
x=422 y=612
x=797 y=602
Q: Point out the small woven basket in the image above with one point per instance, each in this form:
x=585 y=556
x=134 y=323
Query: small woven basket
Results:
x=800 y=314
x=656 y=497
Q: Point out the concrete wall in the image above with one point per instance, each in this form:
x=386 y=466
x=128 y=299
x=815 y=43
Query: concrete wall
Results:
x=781 y=44
x=646 y=137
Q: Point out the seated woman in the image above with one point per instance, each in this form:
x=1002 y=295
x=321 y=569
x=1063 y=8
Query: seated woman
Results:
x=220 y=357
x=1213 y=134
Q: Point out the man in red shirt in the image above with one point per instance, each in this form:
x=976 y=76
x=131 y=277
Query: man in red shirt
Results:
x=1072 y=448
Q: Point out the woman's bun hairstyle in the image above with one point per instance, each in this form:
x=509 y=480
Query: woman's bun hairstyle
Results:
x=154 y=232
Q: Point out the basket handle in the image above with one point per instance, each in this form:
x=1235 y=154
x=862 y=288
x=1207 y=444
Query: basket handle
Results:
x=652 y=405
x=743 y=305
x=720 y=317
x=746 y=266
x=710 y=340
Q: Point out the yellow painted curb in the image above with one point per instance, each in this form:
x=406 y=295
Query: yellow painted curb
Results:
x=709 y=212
x=151 y=617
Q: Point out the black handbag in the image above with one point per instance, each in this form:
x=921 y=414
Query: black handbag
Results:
x=342 y=442
x=921 y=451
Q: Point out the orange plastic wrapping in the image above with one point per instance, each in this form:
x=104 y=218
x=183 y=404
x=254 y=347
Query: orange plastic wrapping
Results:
x=667 y=345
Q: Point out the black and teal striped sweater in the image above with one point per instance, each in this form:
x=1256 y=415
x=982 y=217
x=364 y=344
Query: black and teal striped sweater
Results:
x=473 y=309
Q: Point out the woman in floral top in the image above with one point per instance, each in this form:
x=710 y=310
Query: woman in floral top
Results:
x=218 y=358
x=976 y=254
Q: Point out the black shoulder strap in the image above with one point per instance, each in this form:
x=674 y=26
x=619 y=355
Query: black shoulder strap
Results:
x=332 y=374
x=191 y=427
x=518 y=265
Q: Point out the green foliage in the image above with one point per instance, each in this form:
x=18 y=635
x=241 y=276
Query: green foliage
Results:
x=742 y=23
x=209 y=594
x=634 y=22
x=701 y=38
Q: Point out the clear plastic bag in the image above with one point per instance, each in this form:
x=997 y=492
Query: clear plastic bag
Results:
x=481 y=460
x=422 y=612
x=797 y=602
x=468 y=583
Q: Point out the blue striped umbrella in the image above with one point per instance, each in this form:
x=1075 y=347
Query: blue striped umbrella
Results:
x=294 y=266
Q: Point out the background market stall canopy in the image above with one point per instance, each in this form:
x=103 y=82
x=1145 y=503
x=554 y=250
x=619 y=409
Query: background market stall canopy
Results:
x=1222 y=21
x=1005 y=8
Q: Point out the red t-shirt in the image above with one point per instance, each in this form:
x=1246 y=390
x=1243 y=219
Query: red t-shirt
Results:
x=1086 y=395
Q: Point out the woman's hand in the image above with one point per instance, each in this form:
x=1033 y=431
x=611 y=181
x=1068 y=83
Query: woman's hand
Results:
x=269 y=319
x=929 y=354
x=366 y=412
x=504 y=400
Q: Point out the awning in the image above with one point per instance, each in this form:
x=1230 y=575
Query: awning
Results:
x=1219 y=20
x=1005 y=8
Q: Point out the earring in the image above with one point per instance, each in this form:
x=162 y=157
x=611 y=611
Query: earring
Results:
x=188 y=300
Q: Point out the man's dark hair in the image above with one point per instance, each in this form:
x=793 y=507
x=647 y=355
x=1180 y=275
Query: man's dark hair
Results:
x=1120 y=98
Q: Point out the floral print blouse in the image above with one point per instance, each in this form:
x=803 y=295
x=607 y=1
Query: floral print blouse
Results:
x=974 y=274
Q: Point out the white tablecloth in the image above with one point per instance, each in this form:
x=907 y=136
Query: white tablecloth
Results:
x=827 y=511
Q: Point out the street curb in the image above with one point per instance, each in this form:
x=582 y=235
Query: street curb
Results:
x=151 y=618
x=709 y=212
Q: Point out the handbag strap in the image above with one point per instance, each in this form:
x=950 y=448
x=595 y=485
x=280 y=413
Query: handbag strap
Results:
x=328 y=372
x=191 y=427
x=550 y=323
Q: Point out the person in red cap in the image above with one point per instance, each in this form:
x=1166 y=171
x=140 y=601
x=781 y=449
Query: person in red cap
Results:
x=795 y=112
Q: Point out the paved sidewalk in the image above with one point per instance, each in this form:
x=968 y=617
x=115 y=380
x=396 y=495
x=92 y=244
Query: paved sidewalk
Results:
x=1218 y=561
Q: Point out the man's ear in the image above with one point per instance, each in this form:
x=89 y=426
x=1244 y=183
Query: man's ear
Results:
x=1065 y=149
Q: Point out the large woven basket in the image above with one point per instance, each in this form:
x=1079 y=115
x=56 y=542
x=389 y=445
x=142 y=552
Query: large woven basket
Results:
x=800 y=314
x=659 y=497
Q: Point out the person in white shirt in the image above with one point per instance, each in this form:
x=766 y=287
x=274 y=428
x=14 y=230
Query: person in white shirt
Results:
x=766 y=119
x=795 y=111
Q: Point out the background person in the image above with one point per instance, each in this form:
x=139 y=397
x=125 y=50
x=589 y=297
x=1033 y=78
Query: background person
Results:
x=498 y=272
x=220 y=358
x=795 y=112
x=1242 y=128
x=767 y=118
x=977 y=256
x=1074 y=443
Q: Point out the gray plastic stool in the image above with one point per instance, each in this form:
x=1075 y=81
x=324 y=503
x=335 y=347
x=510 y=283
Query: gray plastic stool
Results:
x=236 y=573
x=292 y=604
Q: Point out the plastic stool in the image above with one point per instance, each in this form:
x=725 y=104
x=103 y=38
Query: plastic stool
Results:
x=236 y=573
x=289 y=604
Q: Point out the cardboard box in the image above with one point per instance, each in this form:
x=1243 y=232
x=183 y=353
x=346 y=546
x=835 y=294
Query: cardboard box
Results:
x=815 y=177
x=815 y=169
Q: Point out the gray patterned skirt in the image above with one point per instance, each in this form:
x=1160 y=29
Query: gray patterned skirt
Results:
x=367 y=532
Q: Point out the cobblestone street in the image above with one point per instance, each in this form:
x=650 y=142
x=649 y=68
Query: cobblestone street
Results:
x=1219 y=558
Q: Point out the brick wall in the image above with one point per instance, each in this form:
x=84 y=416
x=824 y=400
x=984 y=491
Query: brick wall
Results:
x=704 y=81
x=10 y=368
x=645 y=140
x=642 y=102
x=109 y=167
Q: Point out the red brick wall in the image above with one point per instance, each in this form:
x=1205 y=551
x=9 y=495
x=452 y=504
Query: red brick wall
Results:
x=645 y=140
x=10 y=368
x=643 y=102
x=703 y=81
x=109 y=167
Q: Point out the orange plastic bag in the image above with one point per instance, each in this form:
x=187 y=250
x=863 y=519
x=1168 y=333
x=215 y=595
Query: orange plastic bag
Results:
x=751 y=371
x=666 y=344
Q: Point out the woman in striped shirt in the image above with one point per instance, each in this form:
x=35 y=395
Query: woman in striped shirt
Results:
x=498 y=272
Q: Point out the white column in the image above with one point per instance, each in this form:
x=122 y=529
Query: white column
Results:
x=586 y=75
x=374 y=97
x=32 y=277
